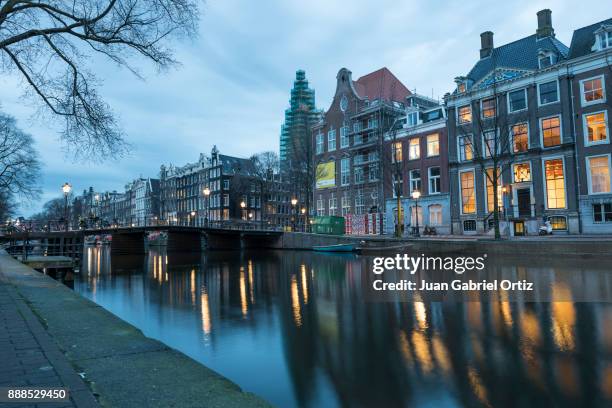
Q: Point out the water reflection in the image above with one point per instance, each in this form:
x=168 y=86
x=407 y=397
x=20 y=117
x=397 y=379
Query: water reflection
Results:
x=293 y=328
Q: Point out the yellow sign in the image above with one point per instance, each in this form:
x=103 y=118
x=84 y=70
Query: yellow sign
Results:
x=326 y=175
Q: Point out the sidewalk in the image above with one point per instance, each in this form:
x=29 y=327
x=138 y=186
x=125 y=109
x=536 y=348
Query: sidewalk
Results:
x=122 y=366
x=30 y=358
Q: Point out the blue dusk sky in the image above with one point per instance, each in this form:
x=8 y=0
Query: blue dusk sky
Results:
x=232 y=86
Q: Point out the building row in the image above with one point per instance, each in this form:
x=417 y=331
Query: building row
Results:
x=527 y=125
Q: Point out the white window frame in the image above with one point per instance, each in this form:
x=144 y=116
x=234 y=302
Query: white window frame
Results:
x=427 y=145
x=429 y=178
x=530 y=172
x=331 y=135
x=344 y=138
x=473 y=171
x=469 y=105
x=583 y=102
x=545 y=187
x=558 y=115
x=441 y=213
x=558 y=93
x=414 y=179
x=550 y=59
x=526 y=101
x=347 y=172
x=418 y=139
x=320 y=143
x=585 y=132
x=587 y=162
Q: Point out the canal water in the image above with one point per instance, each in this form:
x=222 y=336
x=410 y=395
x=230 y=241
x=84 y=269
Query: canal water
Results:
x=293 y=328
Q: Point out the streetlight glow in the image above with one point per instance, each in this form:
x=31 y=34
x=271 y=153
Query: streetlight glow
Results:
x=66 y=188
x=294 y=201
x=206 y=191
x=242 y=204
x=416 y=194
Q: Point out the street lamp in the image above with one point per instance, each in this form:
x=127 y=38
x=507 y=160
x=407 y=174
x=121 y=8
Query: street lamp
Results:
x=66 y=188
x=294 y=202
x=206 y=192
x=303 y=211
x=415 y=195
x=193 y=213
x=242 y=206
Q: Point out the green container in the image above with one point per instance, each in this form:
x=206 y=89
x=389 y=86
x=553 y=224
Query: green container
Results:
x=328 y=225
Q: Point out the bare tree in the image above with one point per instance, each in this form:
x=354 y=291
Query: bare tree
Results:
x=19 y=163
x=50 y=43
x=490 y=141
x=265 y=168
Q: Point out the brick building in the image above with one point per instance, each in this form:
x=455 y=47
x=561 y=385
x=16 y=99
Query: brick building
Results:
x=348 y=143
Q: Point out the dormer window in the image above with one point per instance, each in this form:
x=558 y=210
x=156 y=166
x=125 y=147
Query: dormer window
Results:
x=413 y=118
x=603 y=38
x=461 y=84
x=545 y=59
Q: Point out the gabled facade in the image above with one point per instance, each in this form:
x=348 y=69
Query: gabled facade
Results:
x=348 y=143
x=516 y=98
x=590 y=67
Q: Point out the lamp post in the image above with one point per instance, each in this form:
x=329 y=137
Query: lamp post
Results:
x=192 y=221
x=415 y=195
x=303 y=211
x=242 y=207
x=294 y=202
x=66 y=188
x=206 y=193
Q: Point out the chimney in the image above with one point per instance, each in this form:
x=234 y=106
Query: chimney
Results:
x=545 y=28
x=486 y=44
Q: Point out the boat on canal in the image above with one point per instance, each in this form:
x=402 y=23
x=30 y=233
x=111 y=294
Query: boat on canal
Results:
x=335 y=248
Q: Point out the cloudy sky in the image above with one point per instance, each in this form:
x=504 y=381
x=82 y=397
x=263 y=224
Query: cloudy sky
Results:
x=233 y=83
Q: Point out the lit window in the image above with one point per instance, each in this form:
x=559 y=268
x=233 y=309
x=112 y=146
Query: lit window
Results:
x=433 y=145
x=434 y=180
x=466 y=151
x=520 y=138
x=331 y=140
x=396 y=157
x=596 y=128
x=548 y=92
x=558 y=222
x=419 y=211
x=551 y=131
x=599 y=172
x=522 y=172
x=415 y=180
x=468 y=199
x=517 y=100
x=602 y=212
x=488 y=107
x=435 y=215
x=555 y=183
x=464 y=114
x=592 y=90
x=414 y=149
x=490 y=191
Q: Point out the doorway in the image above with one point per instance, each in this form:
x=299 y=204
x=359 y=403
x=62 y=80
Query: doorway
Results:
x=519 y=228
x=523 y=197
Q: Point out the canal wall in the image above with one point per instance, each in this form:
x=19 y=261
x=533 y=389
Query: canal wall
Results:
x=122 y=366
x=536 y=246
